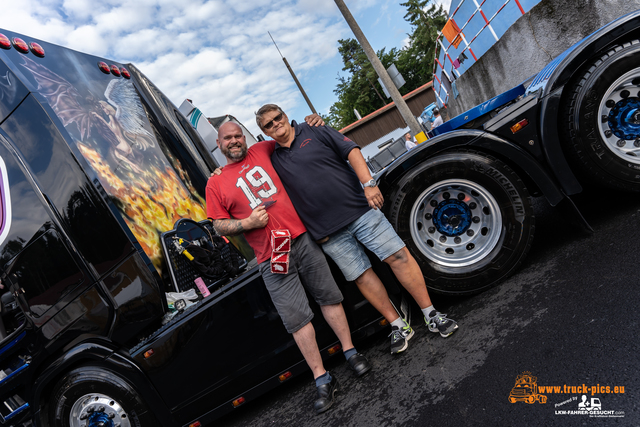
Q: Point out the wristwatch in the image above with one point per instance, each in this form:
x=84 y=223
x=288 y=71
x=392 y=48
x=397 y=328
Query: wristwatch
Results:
x=370 y=183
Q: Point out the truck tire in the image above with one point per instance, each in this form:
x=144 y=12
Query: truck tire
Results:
x=91 y=396
x=602 y=119
x=467 y=219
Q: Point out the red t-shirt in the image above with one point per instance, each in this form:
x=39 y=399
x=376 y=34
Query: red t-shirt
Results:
x=242 y=186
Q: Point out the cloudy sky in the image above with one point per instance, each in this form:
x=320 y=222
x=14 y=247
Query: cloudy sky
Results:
x=217 y=52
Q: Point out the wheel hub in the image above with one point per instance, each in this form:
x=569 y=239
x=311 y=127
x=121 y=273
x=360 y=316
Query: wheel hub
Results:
x=456 y=223
x=452 y=217
x=97 y=410
x=620 y=113
x=624 y=119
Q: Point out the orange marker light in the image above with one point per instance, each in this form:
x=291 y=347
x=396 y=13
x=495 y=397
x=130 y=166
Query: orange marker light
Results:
x=36 y=49
x=383 y=322
x=285 y=376
x=335 y=349
x=115 y=70
x=239 y=401
x=148 y=353
x=104 y=67
x=519 y=126
x=20 y=45
x=196 y=424
x=5 y=43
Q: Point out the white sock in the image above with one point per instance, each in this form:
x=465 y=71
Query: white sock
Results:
x=399 y=323
x=429 y=312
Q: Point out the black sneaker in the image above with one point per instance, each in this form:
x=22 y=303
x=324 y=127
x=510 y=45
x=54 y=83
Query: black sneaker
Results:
x=440 y=323
x=359 y=364
x=400 y=338
x=326 y=395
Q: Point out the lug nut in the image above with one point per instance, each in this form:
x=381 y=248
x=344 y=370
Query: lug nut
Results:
x=625 y=94
x=461 y=196
x=432 y=230
x=476 y=219
x=472 y=205
x=457 y=240
x=608 y=133
x=446 y=195
x=605 y=119
x=470 y=233
x=610 y=103
x=443 y=239
x=621 y=143
x=433 y=203
x=428 y=216
x=636 y=143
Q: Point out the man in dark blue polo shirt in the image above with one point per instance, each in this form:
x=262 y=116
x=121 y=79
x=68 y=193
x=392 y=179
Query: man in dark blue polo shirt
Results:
x=340 y=203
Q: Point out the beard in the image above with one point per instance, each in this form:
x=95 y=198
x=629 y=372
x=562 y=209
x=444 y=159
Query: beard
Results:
x=235 y=155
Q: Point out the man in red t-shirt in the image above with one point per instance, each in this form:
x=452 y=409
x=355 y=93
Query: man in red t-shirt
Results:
x=237 y=201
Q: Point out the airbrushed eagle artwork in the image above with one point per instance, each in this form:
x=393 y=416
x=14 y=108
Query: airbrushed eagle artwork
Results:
x=112 y=132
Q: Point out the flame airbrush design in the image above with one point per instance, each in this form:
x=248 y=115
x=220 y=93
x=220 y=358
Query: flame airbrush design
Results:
x=148 y=184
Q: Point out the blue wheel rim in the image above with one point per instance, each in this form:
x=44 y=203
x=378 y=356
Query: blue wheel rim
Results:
x=619 y=113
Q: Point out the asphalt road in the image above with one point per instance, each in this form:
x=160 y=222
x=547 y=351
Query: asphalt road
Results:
x=568 y=316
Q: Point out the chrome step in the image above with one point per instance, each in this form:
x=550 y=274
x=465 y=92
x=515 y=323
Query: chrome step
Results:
x=14 y=404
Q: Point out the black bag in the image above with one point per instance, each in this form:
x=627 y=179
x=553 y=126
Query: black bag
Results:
x=209 y=258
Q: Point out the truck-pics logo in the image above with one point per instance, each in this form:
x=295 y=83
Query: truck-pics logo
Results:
x=526 y=390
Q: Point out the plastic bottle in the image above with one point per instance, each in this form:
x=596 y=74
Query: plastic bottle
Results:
x=202 y=287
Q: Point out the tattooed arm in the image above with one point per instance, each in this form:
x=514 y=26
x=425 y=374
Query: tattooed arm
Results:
x=228 y=227
x=231 y=227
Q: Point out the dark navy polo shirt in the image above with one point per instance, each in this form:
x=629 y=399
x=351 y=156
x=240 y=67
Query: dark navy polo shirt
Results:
x=323 y=187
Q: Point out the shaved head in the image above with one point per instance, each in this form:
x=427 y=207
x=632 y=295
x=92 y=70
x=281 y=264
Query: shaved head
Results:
x=232 y=142
x=229 y=127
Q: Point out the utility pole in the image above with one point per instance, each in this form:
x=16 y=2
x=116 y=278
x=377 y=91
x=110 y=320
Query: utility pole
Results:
x=295 y=79
x=403 y=109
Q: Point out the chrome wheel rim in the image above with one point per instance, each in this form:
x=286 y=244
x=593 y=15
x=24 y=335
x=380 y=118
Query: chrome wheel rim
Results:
x=98 y=410
x=456 y=223
x=619 y=117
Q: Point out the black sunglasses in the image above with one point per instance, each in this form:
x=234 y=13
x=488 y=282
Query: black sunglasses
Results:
x=275 y=119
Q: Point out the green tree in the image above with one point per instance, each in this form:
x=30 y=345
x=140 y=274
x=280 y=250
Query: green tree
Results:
x=360 y=89
x=416 y=61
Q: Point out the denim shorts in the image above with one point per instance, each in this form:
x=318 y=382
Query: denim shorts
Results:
x=308 y=269
x=373 y=231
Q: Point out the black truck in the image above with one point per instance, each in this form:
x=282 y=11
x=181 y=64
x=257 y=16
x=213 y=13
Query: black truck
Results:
x=102 y=182
x=462 y=199
x=102 y=179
